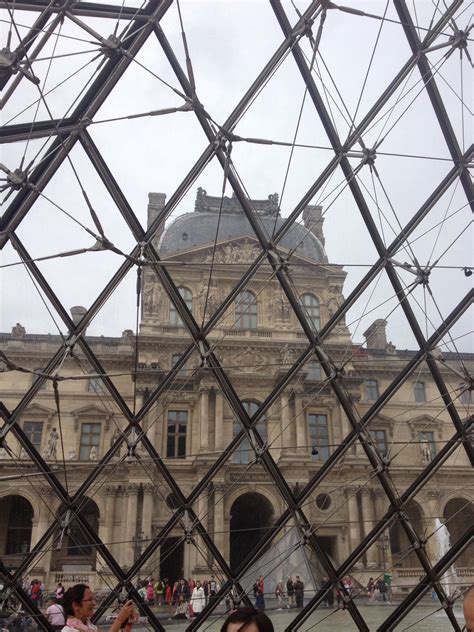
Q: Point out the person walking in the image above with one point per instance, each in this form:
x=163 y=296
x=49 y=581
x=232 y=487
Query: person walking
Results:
x=279 y=594
x=150 y=593
x=198 y=599
x=371 y=590
x=299 y=592
x=290 y=591
x=159 y=592
x=59 y=592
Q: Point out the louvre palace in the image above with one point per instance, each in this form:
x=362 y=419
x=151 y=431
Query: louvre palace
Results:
x=72 y=422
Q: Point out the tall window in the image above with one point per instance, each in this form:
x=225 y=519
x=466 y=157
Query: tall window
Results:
x=371 y=390
x=244 y=453
x=34 y=430
x=94 y=385
x=379 y=437
x=419 y=390
x=187 y=296
x=177 y=429
x=311 y=309
x=37 y=377
x=174 y=360
x=90 y=441
x=314 y=370
x=246 y=310
x=466 y=395
x=319 y=436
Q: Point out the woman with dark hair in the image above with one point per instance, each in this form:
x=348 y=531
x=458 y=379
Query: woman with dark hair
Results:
x=79 y=604
x=247 y=620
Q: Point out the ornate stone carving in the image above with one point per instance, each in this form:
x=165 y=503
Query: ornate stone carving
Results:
x=18 y=331
x=93 y=456
x=71 y=455
x=110 y=490
x=133 y=488
x=249 y=361
x=50 y=452
x=235 y=253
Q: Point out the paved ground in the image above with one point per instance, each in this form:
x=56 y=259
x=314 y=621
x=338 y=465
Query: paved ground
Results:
x=422 y=619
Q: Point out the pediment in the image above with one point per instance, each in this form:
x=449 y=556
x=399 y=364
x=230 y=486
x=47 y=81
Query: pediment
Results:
x=90 y=411
x=37 y=410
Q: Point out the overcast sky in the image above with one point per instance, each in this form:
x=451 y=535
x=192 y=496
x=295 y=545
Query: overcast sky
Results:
x=229 y=43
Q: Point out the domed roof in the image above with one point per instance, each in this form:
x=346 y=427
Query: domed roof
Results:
x=198 y=228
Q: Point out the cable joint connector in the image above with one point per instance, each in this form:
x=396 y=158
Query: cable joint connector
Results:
x=281 y=263
x=459 y=39
x=111 y=46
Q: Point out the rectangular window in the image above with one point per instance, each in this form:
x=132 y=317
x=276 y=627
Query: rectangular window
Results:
x=371 y=390
x=427 y=445
x=419 y=390
x=177 y=429
x=314 y=371
x=379 y=437
x=34 y=431
x=90 y=439
x=319 y=436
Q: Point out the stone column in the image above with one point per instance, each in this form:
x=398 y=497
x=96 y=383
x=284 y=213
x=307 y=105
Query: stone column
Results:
x=147 y=514
x=219 y=516
x=285 y=422
x=204 y=420
x=353 y=516
x=219 y=426
x=107 y=530
x=45 y=516
x=131 y=524
x=368 y=522
x=300 y=421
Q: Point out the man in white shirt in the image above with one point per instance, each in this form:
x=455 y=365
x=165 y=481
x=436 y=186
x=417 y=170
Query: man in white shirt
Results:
x=55 y=615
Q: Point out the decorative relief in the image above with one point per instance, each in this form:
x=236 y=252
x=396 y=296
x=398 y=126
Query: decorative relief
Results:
x=234 y=253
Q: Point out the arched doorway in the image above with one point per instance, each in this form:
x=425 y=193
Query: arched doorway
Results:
x=16 y=523
x=459 y=517
x=402 y=550
x=250 y=515
x=76 y=547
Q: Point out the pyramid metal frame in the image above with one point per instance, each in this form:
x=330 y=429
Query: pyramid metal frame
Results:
x=144 y=24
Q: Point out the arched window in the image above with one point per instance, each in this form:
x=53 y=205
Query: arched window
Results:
x=371 y=390
x=187 y=295
x=419 y=391
x=246 y=310
x=17 y=523
x=311 y=310
x=244 y=453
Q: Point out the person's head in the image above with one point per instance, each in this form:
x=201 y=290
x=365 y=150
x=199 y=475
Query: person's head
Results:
x=198 y=584
x=79 y=602
x=468 y=607
x=247 y=620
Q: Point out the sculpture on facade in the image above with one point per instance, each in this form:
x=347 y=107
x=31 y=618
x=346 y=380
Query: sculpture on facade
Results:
x=93 y=454
x=425 y=450
x=50 y=451
x=18 y=331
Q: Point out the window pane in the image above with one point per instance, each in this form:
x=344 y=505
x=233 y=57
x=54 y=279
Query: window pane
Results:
x=419 y=389
x=90 y=436
x=177 y=430
x=311 y=310
x=34 y=430
x=372 y=390
x=246 y=311
x=187 y=295
x=319 y=436
x=379 y=437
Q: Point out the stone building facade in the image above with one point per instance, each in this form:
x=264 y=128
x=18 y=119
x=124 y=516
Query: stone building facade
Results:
x=191 y=424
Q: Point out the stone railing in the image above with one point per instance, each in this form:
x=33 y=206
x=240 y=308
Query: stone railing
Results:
x=68 y=579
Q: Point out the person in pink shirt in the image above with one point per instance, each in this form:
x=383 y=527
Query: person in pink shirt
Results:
x=55 y=614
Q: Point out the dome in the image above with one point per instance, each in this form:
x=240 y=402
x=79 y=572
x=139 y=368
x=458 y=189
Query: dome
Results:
x=198 y=228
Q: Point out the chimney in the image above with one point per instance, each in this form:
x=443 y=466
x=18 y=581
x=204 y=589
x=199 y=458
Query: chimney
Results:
x=376 y=336
x=313 y=221
x=156 y=202
x=77 y=312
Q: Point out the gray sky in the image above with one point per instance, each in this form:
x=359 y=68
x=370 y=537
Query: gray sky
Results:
x=229 y=43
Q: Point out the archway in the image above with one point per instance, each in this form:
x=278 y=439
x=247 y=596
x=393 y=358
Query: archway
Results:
x=16 y=523
x=402 y=553
x=250 y=515
x=459 y=517
x=76 y=546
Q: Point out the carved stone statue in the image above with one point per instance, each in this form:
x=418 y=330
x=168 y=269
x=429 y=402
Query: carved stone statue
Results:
x=93 y=454
x=425 y=449
x=50 y=451
x=148 y=299
x=335 y=300
x=286 y=356
x=282 y=309
x=18 y=331
x=115 y=437
x=71 y=454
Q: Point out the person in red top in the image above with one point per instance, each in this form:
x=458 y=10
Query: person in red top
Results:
x=35 y=591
